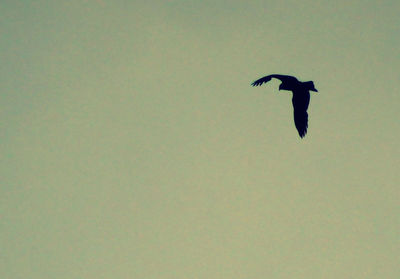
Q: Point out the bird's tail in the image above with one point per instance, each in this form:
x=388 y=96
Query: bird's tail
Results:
x=301 y=122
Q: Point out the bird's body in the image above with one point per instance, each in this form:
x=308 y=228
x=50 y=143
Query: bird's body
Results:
x=300 y=100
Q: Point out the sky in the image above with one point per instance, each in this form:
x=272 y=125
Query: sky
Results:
x=133 y=145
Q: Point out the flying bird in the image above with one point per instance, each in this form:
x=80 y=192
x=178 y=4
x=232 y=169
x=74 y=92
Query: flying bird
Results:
x=301 y=97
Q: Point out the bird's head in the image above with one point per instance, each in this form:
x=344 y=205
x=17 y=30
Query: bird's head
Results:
x=310 y=86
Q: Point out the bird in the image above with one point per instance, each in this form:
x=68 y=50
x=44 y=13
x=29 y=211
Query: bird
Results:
x=301 y=97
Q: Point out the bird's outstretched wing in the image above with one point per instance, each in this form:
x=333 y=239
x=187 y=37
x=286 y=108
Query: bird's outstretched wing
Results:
x=265 y=79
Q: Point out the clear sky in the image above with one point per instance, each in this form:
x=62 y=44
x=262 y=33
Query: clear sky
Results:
x=133 y=146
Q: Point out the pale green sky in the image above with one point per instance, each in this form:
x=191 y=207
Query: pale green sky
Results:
x=133 y=146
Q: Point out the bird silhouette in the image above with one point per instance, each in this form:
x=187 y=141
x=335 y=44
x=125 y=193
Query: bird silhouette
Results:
x=301 y=97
